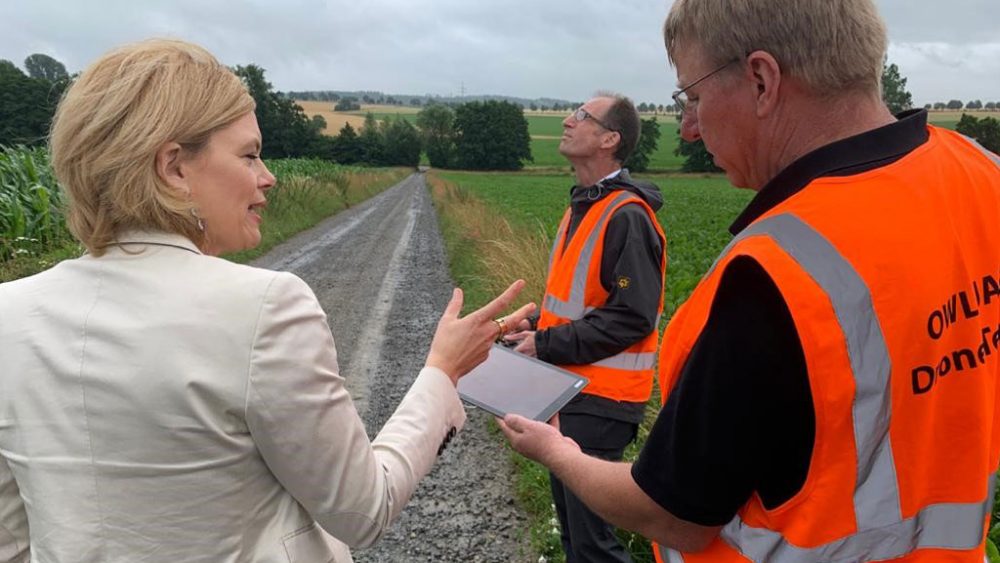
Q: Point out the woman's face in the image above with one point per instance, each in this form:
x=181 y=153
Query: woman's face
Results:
x=227 y=180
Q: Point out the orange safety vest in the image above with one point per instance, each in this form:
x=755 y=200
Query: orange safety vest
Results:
x=574 y=288
x=892 y=278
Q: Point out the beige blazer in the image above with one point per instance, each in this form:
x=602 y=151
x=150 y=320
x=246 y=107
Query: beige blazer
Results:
x=163 y=405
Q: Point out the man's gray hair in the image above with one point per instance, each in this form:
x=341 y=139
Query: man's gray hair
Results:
x=831 y=46
x=623 y=118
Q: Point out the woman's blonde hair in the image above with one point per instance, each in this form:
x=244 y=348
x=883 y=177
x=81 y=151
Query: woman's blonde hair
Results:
x=831 y=46
x=113 y=120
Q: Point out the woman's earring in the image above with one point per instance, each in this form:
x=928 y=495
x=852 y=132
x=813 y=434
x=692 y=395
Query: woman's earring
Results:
x=201 y=224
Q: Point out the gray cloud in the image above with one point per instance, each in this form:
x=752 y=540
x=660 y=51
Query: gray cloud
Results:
x=557 y=48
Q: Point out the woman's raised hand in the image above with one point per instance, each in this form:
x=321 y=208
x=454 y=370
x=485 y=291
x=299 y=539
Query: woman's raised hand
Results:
x=461 y=344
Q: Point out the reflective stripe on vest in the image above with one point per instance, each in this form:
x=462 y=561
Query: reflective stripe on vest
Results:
x=670 y=555
x=630 y=361
x=989 y=154
x=563 y=225
x=574 y=308
x=882 y=532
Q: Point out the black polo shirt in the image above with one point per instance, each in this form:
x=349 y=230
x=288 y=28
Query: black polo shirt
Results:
x=740 y=419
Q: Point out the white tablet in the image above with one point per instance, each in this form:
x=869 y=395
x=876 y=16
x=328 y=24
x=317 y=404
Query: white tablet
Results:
x=509 y=382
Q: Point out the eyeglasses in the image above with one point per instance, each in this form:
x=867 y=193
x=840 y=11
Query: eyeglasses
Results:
x=582 y=114
x=681 y=99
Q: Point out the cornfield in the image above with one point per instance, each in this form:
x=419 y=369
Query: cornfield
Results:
x=31 y=202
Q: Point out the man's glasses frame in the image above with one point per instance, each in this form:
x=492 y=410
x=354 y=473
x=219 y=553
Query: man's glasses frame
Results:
x=681 y=99
x=582 y=115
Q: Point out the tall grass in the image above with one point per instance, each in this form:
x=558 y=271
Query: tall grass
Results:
x=31 y=218
x=499 y=254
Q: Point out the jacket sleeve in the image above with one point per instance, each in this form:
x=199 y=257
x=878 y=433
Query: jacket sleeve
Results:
x=14 y=544
x=310 y=435
x=630 y=272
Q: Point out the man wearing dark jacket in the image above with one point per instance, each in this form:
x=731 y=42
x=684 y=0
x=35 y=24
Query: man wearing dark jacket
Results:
x=604 y=295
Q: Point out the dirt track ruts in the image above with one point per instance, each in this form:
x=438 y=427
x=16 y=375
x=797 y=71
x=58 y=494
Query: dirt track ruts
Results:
x=380 y=271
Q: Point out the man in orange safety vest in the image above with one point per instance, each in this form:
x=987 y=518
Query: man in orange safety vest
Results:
x=602 y=304
x=831 y=385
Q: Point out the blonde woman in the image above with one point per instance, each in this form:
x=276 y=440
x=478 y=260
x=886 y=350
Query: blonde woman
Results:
x=160 y=404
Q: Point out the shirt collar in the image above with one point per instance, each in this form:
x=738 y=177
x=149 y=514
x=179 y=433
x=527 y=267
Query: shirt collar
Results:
x=853 y=155
x=610 y=176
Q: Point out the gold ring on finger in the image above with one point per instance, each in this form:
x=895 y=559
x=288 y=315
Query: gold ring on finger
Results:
x=501 y=327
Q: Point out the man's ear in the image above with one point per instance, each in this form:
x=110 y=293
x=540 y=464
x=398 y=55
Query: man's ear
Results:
x=765 y=79
x=169 y=160
x=611 y=140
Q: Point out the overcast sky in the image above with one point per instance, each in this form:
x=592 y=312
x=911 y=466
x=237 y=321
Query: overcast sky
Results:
x=528 y=48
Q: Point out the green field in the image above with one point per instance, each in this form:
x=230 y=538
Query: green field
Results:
x=695 y=216
x=545 y=124
x=546 y=151
x=387 y=116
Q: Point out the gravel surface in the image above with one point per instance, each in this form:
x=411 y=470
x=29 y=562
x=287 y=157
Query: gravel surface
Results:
x=381 y=273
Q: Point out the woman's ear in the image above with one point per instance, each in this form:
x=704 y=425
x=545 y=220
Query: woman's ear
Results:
x=169 y=160
x=765 y=74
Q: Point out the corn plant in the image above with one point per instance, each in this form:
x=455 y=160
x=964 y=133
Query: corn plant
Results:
x=31 y=202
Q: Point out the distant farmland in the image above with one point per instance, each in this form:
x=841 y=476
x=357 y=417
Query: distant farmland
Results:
x=335 y=120
x=545 y=129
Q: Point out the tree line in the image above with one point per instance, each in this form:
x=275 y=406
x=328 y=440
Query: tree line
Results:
x=28 y=102
x=480 y=135
x=958 y=104
x=489 y=135
x=483 y=135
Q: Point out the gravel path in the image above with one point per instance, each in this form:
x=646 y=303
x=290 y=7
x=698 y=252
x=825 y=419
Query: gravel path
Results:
x=381 y=273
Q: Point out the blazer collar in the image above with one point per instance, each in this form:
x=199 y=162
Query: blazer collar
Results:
x=156 y=238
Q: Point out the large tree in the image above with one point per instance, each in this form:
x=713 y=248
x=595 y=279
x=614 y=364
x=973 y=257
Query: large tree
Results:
x=45 y=67
x=436 y=123
x=696 y=156
x=347 y=104
x=649 y=138
x=491 y=135
x=286 y=129
x=402 y=143
x=372 y=141
x=26 y=106
x=894 y=93
x=346 y=148
x=986 y=130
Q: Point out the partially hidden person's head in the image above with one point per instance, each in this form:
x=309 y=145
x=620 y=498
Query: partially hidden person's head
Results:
x=606 y=126
x=159 y=136
x=747 y=68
